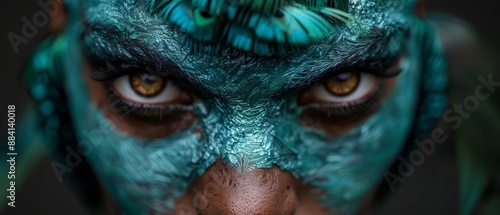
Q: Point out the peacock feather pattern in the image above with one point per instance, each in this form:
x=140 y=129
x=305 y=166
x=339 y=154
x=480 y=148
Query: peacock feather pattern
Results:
x=263 y=27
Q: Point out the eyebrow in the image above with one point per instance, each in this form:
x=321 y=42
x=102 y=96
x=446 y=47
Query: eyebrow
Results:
x=133 y=51
x=371 y=49
x=121 y=50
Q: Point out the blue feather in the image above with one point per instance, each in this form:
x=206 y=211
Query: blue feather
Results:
x=314 y=5
x=259 y=26
x=239 y=38
x=263 y=6
x=214 y=7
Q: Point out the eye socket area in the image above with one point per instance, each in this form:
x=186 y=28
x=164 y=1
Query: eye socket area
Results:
x=142 y=101
x=359 y=84
x=342 y=88
x=148 y=89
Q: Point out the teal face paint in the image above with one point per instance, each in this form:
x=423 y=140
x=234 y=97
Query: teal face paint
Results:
x=250 y=117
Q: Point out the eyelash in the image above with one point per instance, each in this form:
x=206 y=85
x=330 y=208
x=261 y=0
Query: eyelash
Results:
x=349 y=110
x=379 y=68
x=106 y=72
x=155 y=113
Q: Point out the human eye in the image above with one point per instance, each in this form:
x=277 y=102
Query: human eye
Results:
x=146 y=89
x=352 y=92
x=140 y=93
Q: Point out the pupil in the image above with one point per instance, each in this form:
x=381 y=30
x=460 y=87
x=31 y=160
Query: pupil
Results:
x=343 y=76
x=149 y=79
x=147 y=85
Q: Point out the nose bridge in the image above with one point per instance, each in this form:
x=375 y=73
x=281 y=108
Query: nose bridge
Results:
x=245 y=134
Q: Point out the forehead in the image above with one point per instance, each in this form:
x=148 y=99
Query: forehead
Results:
x=129 y=31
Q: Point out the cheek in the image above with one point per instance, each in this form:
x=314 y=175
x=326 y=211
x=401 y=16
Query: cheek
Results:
x=349 y=163
x=140 y=172
x=141 y=175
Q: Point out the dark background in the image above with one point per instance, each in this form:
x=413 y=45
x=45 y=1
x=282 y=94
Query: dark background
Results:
x=43 y=194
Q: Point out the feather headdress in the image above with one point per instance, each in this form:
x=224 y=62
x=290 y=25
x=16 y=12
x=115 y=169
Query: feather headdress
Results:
x=263 y=27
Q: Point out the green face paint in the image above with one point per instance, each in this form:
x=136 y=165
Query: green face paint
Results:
x=250 y=116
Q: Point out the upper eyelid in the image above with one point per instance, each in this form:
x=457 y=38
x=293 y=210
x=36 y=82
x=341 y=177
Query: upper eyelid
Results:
x=383 y=66
x=110 y=70
x=358 y=108
x=122 y=65
x=363 y=67
x=171 y=71
x=191 y=84
x=105 y=73
x=329 y=72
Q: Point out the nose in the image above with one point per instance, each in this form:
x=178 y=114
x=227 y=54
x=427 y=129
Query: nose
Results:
x=224 y=190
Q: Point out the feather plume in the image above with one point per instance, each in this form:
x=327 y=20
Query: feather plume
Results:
x=258 y=26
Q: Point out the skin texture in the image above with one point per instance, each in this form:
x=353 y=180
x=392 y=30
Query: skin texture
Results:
x=245 y=170
x=245 y=145
x=226 y=190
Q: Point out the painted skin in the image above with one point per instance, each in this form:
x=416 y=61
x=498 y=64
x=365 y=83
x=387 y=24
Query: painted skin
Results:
x=240 y=142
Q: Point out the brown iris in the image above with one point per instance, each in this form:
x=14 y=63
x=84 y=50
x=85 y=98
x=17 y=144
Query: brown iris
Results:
x=343 y=84
x=147 y=85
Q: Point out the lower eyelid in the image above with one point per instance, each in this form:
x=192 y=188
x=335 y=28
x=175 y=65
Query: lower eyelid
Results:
x=147 y=112
x=350 y=109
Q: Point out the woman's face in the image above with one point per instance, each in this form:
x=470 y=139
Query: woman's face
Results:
x=179 y=125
